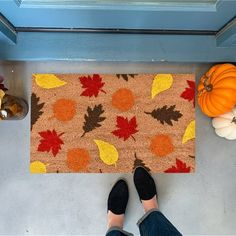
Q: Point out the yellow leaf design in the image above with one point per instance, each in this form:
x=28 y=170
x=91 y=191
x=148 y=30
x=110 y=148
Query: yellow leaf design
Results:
x=2 y=94
x=37 y=167
x=108 y=153
x=160 y=83
x=189 y=132
x=48 y=81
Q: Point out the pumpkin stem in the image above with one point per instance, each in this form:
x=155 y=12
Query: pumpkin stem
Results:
x=234 y=120
x=207 y=85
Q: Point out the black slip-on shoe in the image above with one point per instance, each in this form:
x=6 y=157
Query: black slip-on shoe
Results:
x=118 y=198
x=144 y=184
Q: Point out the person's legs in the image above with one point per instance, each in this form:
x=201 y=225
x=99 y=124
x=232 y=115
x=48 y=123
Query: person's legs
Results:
x=117 y=202
x=153 y=223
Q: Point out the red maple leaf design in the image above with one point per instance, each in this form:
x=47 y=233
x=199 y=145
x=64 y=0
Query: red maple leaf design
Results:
x=180 y=167
x=189 y=93
x=50 y=142
x=92 y=85
x=125 y=127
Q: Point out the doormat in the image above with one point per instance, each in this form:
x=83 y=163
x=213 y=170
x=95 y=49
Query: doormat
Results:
x=112 y=123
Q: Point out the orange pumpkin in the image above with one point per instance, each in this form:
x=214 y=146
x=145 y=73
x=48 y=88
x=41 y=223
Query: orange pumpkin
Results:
x=217 y=90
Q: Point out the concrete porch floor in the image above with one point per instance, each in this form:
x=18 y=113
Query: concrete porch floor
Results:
x=203 y=203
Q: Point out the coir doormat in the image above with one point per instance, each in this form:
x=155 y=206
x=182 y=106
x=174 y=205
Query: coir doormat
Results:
x=101 y=123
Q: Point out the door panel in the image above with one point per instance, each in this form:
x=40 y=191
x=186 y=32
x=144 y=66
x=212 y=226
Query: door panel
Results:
x=159 y=14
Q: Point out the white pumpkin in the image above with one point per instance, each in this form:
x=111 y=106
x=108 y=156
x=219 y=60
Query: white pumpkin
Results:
x=225 y=125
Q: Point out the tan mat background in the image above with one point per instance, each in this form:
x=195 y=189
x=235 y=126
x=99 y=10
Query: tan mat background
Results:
x=74 y=123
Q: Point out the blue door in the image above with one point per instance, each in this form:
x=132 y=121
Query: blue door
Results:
x=171 y=20
x=130 y=14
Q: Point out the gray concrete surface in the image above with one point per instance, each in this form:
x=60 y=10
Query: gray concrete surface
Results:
x=75 y=204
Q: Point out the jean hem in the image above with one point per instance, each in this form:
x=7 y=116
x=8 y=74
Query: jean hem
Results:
x=146 y=215
x=115 y=228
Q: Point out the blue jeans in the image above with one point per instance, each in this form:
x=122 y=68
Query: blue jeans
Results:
x=153 y=223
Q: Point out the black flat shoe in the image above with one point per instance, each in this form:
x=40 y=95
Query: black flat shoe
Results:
x=118 y=198
x=144 y=184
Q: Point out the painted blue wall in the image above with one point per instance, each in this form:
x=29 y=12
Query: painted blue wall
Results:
x=7 y=31
x=4 y=39
x=227 y=36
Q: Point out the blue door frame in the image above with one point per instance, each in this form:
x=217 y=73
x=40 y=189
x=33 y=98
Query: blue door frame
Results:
x=117 y=15
x=199 y=33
